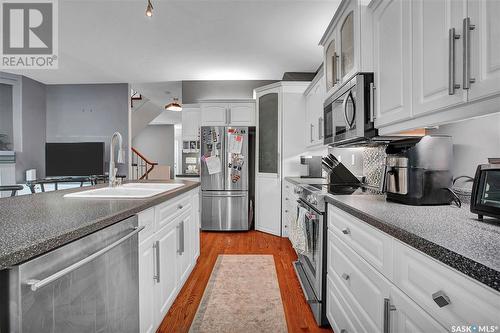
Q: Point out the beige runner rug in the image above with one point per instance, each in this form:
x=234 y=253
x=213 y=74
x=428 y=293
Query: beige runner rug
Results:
x=242 y=296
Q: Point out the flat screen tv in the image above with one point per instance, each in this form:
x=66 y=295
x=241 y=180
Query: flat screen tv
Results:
x=74 y=159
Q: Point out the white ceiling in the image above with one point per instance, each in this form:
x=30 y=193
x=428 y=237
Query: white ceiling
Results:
x=106 y=41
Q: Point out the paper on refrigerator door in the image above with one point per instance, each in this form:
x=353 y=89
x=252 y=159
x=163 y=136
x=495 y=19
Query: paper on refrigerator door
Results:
x=213 y=165
x=235 y=144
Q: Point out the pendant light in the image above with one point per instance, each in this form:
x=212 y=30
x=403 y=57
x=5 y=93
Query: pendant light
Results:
x=174 y=106
x=149 y=9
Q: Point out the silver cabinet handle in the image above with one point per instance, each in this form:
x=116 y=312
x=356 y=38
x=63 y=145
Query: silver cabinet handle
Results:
x=451 y=61
x=387 y=314
x=336 y=68
x=180 y=206
x=441 y=298
x=372 y=102
x=320 y=128
x=345 y=276
x=156 y=247
x=343 y=330
x=35 y=284
x=467 y=27
x=311 y=127
x=346 y=231
x=180 y=228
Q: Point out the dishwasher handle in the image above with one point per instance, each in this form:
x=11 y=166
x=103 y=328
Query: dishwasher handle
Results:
x=35 y=284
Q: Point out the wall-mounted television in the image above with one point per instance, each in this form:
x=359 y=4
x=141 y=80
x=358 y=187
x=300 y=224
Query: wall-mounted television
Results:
x=74 y=159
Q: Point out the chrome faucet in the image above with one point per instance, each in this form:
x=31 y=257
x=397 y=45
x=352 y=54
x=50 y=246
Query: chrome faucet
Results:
x=120 y=159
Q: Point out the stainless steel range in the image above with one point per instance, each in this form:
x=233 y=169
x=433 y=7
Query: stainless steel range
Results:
x=311 y=265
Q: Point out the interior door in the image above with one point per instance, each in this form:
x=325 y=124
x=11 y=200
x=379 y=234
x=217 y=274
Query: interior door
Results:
x=236 y=159
x=268 y=174
x=212 y=146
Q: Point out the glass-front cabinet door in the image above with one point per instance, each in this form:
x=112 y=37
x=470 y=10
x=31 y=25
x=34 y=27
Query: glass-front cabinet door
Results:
x=268 y=134
x=347 y=44
x=331 y=65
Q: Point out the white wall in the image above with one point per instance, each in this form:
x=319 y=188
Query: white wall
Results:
x=88 y=113
x=156 y=142
x=193 y=91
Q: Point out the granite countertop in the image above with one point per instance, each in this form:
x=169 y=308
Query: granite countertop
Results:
x=35 y=224
x=307 y=181
x=449 y=234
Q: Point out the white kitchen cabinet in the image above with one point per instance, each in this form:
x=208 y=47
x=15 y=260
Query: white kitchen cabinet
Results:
x=432 y=44
x=190 y=122
x=280 y=141
x=315 y=96
x=392 y=61
x=347 y=44
x=7 y=176
x=167 y=256
x=289 y=207
x=484 y=48
x=228 y=113
x=370 y=298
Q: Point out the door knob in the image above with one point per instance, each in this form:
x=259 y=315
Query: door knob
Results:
x=346 y=276
x=346 y=231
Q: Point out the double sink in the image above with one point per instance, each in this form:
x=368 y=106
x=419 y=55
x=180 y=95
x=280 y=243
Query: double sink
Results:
x=126 y=191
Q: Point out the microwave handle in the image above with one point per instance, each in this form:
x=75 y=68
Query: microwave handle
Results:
x=348 y=124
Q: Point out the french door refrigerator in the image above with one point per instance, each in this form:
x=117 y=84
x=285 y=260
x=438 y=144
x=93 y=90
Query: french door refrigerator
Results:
x=227 y=169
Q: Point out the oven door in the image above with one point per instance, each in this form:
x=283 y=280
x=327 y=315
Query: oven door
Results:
x=312 y=259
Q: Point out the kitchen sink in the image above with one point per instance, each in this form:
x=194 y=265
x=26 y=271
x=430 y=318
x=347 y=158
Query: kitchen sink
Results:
x=126 y=191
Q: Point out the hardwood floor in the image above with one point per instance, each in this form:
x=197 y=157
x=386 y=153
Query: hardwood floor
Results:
x=298 y=314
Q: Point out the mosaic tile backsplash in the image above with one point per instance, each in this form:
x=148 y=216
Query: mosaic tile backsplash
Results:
x=373 y=164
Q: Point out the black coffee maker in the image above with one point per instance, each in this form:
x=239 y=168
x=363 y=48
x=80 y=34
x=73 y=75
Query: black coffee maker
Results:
x=418 y=171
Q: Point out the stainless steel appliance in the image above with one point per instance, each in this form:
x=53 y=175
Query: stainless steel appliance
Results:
x=485 y=199
x=418 y=171
x=313 y=166
x=227 y=178
x=311 y=265
x=90 y=285
x=349 y=112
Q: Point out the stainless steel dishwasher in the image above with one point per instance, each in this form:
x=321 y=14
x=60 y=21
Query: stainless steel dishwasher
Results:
x=89 y=285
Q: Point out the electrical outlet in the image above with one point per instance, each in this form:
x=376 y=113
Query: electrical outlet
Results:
x=353 y=159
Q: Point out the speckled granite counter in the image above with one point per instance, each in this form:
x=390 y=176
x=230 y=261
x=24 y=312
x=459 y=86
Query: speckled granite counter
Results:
x=449 y=234
x=34 y=224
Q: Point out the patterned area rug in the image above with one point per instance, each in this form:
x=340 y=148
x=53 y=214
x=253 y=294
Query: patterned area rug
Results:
x=242 y=296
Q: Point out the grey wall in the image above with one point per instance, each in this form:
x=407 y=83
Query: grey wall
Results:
x=6 y=112
x=192 y=91
x=156 y=142
x=88 y=113
x=474 y=140
x=33 y=129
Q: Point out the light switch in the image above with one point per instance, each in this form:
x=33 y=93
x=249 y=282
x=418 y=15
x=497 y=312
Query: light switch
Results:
x=353 y=159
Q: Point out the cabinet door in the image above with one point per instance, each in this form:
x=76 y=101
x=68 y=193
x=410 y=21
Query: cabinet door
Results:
x=268 y=175
x=241 y=114
x=196 y=226
x=214 y=114
x=166 y=256
x=314 y=114
x=392 y=61
x=406 y=316
x=485 y=48
x=190 y=124
x=347 y=42
x=147 y=270
x=433 y=53
x=185 y=231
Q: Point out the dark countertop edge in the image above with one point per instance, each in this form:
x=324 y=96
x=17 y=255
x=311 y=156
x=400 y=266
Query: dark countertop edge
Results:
x=187 y=176
x=34 y=250
x=475 y=270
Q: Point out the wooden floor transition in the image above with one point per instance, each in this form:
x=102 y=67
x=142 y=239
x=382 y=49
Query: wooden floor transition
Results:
x=298 y=314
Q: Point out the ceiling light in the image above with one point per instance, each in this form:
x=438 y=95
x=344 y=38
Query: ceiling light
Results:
x=149 y=9
x=174 y=106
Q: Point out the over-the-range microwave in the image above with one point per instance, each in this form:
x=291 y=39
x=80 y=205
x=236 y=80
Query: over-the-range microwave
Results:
x=349 y=112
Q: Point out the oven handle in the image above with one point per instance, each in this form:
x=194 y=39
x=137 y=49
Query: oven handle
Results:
x=303 y=204
x=299 y=271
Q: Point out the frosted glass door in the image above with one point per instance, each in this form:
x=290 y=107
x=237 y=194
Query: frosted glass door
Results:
x=347 y=44
x=268 y=133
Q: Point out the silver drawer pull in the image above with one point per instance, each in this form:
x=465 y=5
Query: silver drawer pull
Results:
x=346 y=231
x=180 y=206
x=343 y=330
x=346 y=276
x=441 y=298
x=37 y=284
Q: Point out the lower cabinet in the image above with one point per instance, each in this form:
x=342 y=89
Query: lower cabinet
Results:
x=167 y=256
x=364 y=296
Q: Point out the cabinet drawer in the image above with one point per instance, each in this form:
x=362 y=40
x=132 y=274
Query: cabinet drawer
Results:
x=420 y=276
x=372 y=245
x=337 y=310
x=361 y=285
x=167 y=212
x=146 y=219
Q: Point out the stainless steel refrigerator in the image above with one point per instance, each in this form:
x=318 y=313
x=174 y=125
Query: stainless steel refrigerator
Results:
x=227 y=178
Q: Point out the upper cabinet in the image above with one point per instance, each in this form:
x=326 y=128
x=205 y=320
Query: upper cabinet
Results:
x=190 y=123
x=432 y=59
x=228 y=113
x=347 y=44
x=315 y=96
